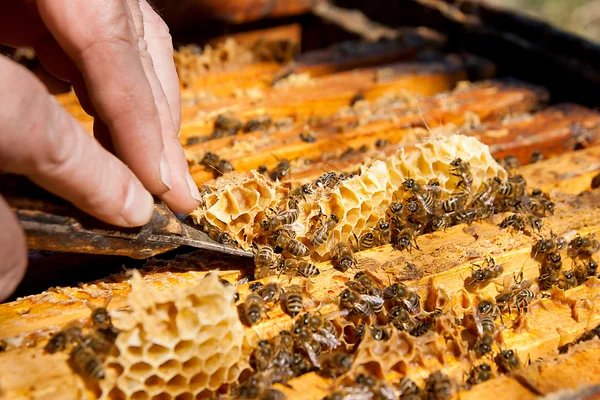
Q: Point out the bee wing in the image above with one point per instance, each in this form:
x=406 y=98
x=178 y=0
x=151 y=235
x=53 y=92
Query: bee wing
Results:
x=477 y=319
x=386 y=392
x=411 y=307
x=311 y=355
x=363 y=307
x=326 y=338
x=372 y=300
x=367 y=395
x=296 y=227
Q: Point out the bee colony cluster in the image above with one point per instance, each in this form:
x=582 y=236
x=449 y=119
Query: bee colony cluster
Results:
x=414 y=261
x=422 y=192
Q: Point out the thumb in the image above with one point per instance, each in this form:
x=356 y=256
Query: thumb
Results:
x=40 y=140
x=13 y=251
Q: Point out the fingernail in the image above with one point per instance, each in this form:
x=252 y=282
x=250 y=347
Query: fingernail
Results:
x=194 y=192
x=165 y=171
x=139 y=205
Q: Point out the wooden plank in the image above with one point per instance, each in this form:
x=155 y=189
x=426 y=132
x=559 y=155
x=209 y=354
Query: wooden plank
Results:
x=486 y=101
x=552 y=131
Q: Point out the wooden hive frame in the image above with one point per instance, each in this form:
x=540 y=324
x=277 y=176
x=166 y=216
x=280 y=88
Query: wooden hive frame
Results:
x=510 y=118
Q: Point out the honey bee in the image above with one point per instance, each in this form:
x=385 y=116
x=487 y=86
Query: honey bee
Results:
x=462 y=170
x=104 y=333
x=523 y=298
x=321 y=235
x=511 y=162
x=409 y=389
x=485 y=315
x=300 y=193
x=539 y=203
x=210 y=160
x=401 y=319
x=219 y=236
x=327 y=180
x=544 y=246
x=371 y=388
x=439 y=222
x=567 y=280
x=583 y=246
x=536 y=156
x=508 y=297
x=323 y=329
x=260 y=123
x=454 y=203
x=586 y=270
x=507 y=361
x=416 y=214
x=356 y=98
x=257 y=388
x=282 y=169
x=226 y=126
x=304 y=339
x=261 y=357
x=280 y=219
x=84 y=360
x=352 y=303
x=379 y=332
x=404 y=239
x=439 y=386
x=369 y=290
x=262 y=169
x=550 y=270
x=293 y=300
x=365 y=241
x=283 y=356
x=225 y=166
x=64 y=338
x=270 y=292
x=291 y=267
x=336 y=364
x=343 y=257
x=251 y=311
x=382 y=232
x=520 y=221
x=422 y=195
x=485 y=273
x=381 y=143
x=301 y=365
x=483 y=345
x=307 y=135
x=282 y=239
x=486 y=196
x=396 y=292
x=370 y=283
x=480 y=373
x=396 y=210
x=193 y=140
x=265 y=260
x=513 y=187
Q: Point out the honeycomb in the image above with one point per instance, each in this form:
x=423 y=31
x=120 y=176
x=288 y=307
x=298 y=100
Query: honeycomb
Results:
x=179 y=343
x=239 y=203
x=378 y=357
x=192 y=61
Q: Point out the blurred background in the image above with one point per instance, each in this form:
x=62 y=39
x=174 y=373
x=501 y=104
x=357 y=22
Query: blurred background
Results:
x=578 y=16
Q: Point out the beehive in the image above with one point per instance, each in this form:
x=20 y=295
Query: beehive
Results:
x=412 y=113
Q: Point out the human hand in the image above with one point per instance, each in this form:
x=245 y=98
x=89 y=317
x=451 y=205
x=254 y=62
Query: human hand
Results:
x=118 y=56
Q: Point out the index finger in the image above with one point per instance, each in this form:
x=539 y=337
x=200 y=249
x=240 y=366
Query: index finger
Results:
x=100 y=38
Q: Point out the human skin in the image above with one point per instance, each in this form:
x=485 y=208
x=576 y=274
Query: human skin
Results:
x=118 y=56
